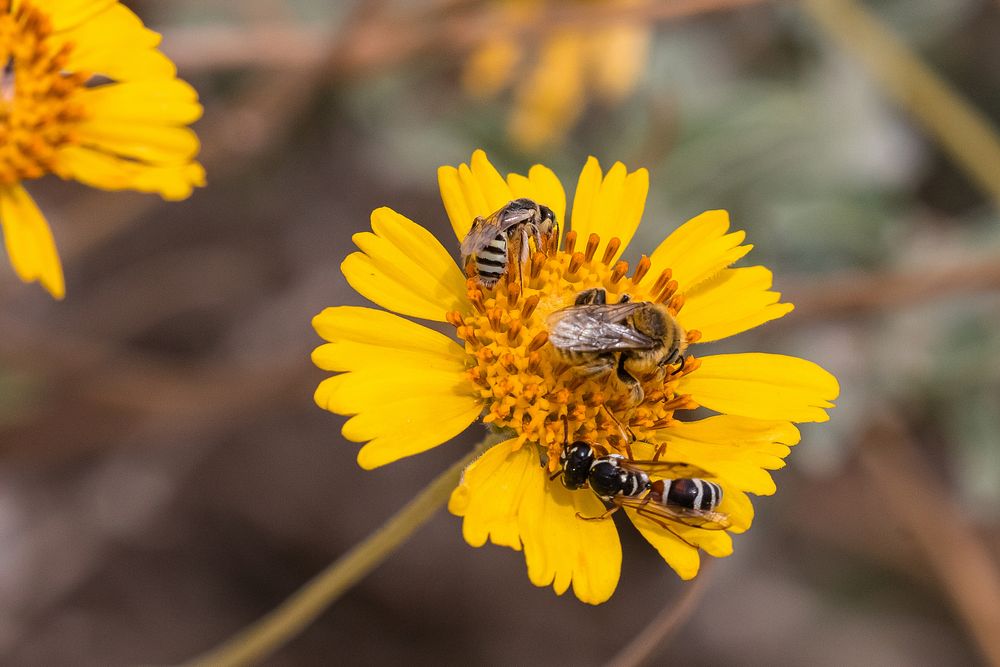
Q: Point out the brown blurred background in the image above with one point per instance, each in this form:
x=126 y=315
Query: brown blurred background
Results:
x=166 y=478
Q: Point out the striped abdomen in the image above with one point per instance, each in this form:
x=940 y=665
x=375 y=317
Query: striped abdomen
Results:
x=693 y=494
x=491 y=261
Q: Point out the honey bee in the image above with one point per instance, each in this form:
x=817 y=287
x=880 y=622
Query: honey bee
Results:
x=501 y=240
x=630 y=338
x=687 y=498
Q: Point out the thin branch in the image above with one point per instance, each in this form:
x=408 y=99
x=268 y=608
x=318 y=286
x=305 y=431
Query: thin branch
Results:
x=928 y=512
x=855 y=292
x=644 y=645
x=960 y=129
x=281 y=625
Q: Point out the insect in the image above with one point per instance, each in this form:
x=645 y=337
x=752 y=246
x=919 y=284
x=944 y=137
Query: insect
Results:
x=629 y=338
x=621 y=482
x=500 y=240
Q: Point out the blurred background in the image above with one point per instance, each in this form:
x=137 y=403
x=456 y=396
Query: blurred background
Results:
x=166 y=478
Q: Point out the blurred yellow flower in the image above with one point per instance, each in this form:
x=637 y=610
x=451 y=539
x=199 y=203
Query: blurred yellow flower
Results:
x=85 y=95
x=410 y=388
x=564 y=67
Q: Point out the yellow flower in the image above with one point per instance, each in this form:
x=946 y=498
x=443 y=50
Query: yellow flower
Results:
x=410 y=388
x=85 y=94
x=571 y=64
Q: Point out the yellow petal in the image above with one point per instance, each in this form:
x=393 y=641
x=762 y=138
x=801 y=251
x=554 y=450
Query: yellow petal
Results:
x=763 y=386
x=116 y=44
x=156 y=144
x=680 y=556
x=490 y=493
x=561 y=548
x=66 y=14
x=737 y=506
x=405 y=269
x=716 y=543
x=455 y=204
x=495 y=190
x=611 y=206
x=698 y=250
x=29 y=241
x=394 y=429
x=365 y=338
x=732 y=302
x=171 y=102
x=543 y=186
x=470 y=192
x=738 y=450
x=109 y=172
x=507 y=497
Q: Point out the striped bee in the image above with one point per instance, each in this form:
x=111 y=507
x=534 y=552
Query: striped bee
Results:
x=630 y=338
x=622 y=482
x=498 y=242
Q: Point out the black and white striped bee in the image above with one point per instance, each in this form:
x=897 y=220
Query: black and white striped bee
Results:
x=621 y=482
x=502 y=240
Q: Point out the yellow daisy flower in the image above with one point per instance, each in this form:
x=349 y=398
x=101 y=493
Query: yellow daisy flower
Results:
x=409 y=388
x=85 y=94
x=566 y=66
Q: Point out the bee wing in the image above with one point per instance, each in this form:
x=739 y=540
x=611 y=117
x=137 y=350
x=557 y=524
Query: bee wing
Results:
x=654 y=511
x=486 y=229
x=596 y=328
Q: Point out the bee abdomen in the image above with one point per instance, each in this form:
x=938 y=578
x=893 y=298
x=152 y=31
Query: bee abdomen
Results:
x=491 y=261
x=693 y=493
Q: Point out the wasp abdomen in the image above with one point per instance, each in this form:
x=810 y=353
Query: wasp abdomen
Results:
x=693 y=493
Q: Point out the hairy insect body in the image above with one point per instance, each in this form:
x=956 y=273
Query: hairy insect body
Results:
x=628 y=338
x=501 y=242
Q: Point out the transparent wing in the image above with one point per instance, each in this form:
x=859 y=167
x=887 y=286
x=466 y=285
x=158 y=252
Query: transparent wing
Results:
x=654 y=511
x=667 y=469
x=596 y=328
x=486 y=229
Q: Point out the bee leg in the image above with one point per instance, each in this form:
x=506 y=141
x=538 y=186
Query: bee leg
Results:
x=633 y=385
x=555 y=474
x=604 y=516
x=681 y=367
x=595 y=296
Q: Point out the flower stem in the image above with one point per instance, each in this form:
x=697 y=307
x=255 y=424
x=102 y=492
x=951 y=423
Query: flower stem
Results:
x=271 y=632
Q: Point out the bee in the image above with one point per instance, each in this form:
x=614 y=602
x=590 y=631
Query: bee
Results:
x=500 y=240
x=687 y=499
x=629 y=338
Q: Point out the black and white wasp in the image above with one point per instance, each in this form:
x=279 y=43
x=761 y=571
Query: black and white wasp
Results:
x=501 y=242
x=685 y=497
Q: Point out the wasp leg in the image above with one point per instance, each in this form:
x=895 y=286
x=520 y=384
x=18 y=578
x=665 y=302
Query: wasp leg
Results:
x=662 y=523
x=659 y=451
x=604 y=516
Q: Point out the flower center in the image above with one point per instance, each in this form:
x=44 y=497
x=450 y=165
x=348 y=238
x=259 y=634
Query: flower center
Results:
x=37 y=98
x=527 y=386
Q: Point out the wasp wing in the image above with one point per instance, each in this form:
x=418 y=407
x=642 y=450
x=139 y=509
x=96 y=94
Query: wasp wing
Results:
x=597 y=328
x=658 y=513
x=666 y=469
x=486 y=229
